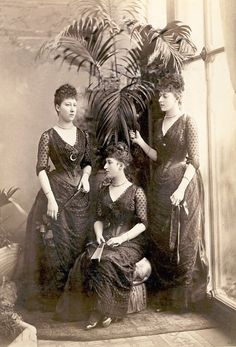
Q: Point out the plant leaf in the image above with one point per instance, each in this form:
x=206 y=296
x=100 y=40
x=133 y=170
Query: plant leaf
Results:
x=6 y=198
x=112 y=12
x=6 y=195
x=115 y=110
x=82 y=44
x=172 y=46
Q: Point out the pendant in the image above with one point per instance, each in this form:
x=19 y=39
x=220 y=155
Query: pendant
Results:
x=73 y=157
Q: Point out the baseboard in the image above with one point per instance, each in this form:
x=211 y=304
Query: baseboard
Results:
x=225 y=315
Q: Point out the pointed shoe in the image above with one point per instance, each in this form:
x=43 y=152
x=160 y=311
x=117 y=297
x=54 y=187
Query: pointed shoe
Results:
x=91 y=325
x=106 y=322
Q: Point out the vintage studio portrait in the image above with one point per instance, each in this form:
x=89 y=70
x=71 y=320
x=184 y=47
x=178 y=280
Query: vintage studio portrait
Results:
x=117 y=176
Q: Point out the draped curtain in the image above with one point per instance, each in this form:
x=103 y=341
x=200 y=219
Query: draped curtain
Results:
x=228 y=16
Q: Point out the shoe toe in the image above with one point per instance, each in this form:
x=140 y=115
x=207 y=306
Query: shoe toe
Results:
x=106 y=322
x=90 y=326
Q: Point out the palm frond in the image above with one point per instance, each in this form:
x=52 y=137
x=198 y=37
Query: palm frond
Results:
x=18 y=206
x=136 y=59
x=5 y=195
x=141 y=92
x=131 y=63
x=111 y=12
x=115 y=110
x=141 y=33
x=167 y=52
x=82 y=44
x=172 y=45
x=143 y=38
x=166 y=48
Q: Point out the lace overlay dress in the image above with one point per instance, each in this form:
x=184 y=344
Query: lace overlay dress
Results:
x=51 y=247
x=176 y=234
x=106 y=285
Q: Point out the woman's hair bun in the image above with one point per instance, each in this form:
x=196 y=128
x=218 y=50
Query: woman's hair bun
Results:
x=119 y=151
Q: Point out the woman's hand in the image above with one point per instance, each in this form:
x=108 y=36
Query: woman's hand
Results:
x=177 y=196
x=135 y=136
x=115 y=241
x=84 y=184
x=52 y=208
x=99 y=238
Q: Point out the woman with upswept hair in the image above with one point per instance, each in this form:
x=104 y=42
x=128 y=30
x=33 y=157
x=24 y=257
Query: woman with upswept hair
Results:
x=58 y=222
x=176 y=203
x=100 y=286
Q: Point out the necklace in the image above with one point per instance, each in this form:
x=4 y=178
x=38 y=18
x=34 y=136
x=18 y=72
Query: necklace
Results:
x=176 y=115
x=118 y=185
x=65 y=128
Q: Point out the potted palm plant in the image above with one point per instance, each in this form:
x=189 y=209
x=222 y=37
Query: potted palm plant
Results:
x=11 y=324
x=8 y=249
x=122 y=56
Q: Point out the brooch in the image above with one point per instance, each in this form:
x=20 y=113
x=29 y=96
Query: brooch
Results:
x=73 y=157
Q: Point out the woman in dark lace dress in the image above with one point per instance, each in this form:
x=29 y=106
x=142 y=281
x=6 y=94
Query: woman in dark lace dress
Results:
x=102 y=287
x=176 y=203
x=58 y=221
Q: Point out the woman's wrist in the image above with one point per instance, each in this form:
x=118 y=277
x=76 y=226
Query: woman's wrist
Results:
x=146 y=148
x=186 y=178
x=183 y=184
x=125 y=237
x=49 y=195
x=141 y=142
x=98 y=233
x=86 y=175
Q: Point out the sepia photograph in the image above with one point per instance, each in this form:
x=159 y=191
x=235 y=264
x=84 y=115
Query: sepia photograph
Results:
x=117 y=173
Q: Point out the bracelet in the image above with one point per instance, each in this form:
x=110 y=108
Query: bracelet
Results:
x=186 y=178
x=48 y=192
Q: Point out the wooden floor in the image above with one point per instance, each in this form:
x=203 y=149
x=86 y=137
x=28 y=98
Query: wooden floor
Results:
x=207 y=338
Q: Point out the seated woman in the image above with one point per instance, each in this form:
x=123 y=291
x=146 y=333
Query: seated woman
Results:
x=101 y=286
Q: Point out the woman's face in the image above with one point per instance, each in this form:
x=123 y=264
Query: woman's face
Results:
x=67 y=109
x=167 y=101
x=113 y=167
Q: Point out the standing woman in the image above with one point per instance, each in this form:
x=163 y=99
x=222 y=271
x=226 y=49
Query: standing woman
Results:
x=58 y=221
x=176 y=203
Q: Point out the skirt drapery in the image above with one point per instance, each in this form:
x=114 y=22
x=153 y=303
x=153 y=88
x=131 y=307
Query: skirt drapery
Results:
x=52 y=246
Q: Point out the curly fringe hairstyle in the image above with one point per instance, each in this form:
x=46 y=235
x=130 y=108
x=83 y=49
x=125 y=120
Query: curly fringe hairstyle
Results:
x=172 y=82
x=120 y=152
x=64 y=92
